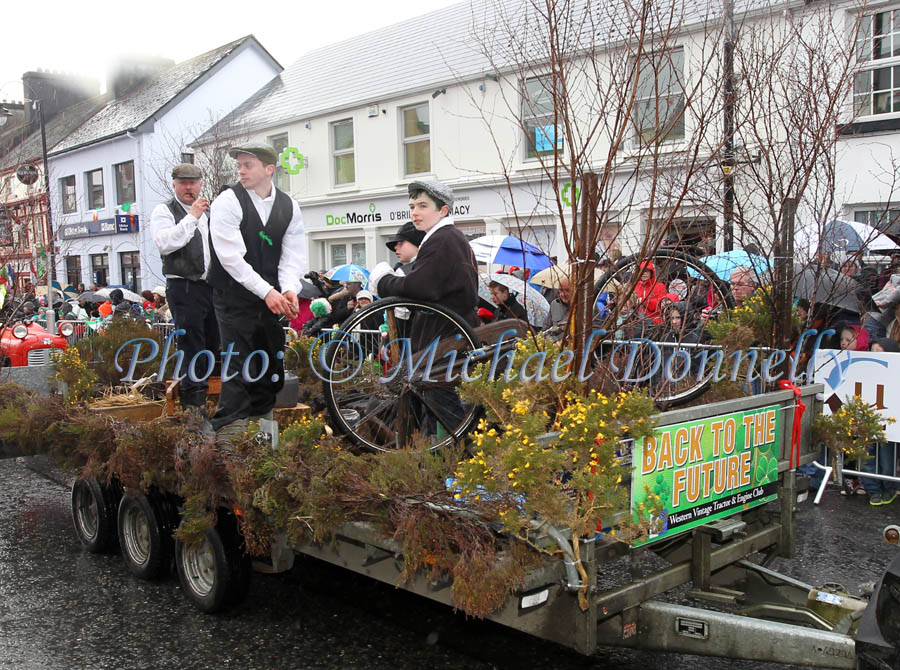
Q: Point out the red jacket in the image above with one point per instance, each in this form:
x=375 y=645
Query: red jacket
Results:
x=649 y=292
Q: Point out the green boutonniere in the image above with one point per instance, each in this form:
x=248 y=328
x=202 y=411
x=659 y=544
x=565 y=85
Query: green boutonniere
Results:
x=266 y=238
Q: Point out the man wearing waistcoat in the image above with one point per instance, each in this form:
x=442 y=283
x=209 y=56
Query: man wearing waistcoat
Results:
x=257 y=256
x=180 y=231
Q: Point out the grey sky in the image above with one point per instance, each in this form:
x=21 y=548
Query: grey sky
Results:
x=86 y=37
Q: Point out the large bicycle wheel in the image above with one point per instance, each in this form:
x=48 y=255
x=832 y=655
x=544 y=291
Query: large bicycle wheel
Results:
x=644 y=350
x=390 y=375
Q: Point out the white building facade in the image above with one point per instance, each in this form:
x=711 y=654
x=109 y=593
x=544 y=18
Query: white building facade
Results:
x=357 y=121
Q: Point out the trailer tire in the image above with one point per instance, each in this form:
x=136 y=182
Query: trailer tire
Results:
x=145 y=536
x=214 y=573
x=94 y=512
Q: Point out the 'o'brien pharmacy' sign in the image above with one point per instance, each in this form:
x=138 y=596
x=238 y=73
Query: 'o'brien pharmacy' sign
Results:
x=705 y=470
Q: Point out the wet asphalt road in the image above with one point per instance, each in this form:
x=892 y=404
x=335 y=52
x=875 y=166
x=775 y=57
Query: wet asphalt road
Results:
x=61 y=607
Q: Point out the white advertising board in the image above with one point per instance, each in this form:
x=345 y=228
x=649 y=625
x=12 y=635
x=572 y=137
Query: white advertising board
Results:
x=873 y=376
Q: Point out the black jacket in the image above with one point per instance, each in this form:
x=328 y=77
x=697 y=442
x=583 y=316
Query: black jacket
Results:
x=444 y=273
x=511 y=309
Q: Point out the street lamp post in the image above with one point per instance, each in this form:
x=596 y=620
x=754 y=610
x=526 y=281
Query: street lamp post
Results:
x=51 y=313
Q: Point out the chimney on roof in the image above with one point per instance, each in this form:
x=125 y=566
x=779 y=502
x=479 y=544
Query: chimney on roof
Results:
x=56 y=91
x=129 y=71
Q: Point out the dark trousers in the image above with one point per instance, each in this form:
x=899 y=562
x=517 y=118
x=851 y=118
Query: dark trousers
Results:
x=191 y=303
x=249 y=327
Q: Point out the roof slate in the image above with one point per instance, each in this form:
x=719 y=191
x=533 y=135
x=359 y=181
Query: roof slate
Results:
x=440 y=47
x=144 y=100
x=28 y=149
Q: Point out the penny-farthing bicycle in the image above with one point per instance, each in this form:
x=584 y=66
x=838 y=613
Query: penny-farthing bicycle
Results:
x=391 y=375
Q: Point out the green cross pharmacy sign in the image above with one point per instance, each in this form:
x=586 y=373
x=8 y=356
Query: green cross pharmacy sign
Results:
x=292 y=160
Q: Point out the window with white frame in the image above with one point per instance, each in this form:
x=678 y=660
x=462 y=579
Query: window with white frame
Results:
x=281 y=178
x=124 y=182
x=416 y=140
x=659 y=103
x=94 y=183
x=538 y=117
x=67 y=190
x=342 y=150
x=884 y=219
x=876 y=87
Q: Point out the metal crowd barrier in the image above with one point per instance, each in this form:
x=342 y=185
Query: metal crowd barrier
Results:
x=833 y=468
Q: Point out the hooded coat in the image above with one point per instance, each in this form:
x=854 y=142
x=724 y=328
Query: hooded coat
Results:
x=649 y=292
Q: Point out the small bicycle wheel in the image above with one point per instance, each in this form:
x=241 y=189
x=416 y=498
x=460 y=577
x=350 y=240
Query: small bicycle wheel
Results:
x=644 y=349
x=390 y=374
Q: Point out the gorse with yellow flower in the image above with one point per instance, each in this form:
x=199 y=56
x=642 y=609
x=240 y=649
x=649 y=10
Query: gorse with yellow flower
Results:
x=545 y=451
x=851 y=428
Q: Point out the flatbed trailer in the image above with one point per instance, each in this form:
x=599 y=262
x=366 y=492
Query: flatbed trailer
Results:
x=634 y=594
x=723 y=562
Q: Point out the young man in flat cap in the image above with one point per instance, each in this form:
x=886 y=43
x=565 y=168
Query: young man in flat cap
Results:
x=258 y=254
x=181 y=233
x=444 y=272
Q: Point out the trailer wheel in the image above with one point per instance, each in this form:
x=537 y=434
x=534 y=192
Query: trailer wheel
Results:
x=215 y=572
x=144 y=536
x=94 y=515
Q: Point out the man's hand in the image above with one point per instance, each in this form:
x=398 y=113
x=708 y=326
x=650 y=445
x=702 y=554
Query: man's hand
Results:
x=200 y=206
x=291 y=297
x=280 y=304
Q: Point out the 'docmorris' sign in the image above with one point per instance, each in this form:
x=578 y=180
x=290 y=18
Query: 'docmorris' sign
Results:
x=705 y=470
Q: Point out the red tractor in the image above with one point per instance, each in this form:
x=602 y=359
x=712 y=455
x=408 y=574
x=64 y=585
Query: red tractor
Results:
x=27 y=343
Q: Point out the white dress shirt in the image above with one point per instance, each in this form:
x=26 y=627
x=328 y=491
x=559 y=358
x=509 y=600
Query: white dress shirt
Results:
x=170 y=237
x=226 y=216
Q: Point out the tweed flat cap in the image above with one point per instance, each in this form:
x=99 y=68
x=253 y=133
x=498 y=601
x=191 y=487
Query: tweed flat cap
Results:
x=186 y=171
x=264 y=152
x=435 y=189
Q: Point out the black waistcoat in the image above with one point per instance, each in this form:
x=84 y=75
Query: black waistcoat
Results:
x=186 y=262
x=263 y=244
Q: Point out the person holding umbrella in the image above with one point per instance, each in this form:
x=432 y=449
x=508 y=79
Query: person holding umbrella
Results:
x=507 y=305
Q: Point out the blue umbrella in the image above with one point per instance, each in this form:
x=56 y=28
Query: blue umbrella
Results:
x=348 y=272
x=509 y=250
x=722 y=264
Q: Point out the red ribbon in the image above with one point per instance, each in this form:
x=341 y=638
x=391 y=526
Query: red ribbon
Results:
x=798 y=420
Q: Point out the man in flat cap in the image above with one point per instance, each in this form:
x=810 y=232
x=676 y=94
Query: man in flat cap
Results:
x=258 y=254
x=405 y=245
x=444 y=272
x=180 y=231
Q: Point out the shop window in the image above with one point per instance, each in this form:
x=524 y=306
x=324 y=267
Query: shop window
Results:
x=94 y=181
x=130 y=263
x=416 y=140
x=338 y=254
x=358 y=253
x=73 y=270
x=342 y=150
x=100 y=269
x=67 y=190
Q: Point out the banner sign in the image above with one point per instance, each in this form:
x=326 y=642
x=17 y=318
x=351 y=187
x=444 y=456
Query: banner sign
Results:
x=863 y=373
x=119 y=224
x=705 y=470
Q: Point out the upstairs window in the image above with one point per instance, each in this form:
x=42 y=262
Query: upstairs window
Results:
x=124 y=182
x=281 y=178
x=416 y=140
x=659 y=103
x=342 y=151
x=94 y=182
x=67 y=191
x=876 y=87
x=538 y=117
